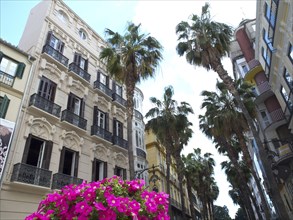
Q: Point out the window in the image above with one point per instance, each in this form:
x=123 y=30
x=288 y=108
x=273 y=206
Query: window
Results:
x=138 y=138
x=101 y=118
x=270 y=13
x=54 y=42
x=244 y=69
x=102 y=78
x=80 y=61
x=47 y=89
x=117 y=128
x=267 y=56
x=118 y=171
x=117 y=89
x=62 y=16
x=82 y=34
x=268 y=40
x=288 y=79
x=286 y=98
x=265 y=118
x=75 y=105
x=68 y=162
x=99 y=170
x=4 y=103
x=37 y=152
x=10 y=68
x=290 y=53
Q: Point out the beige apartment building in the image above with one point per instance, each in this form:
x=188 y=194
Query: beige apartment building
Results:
x=73 y=122
x=156 y=155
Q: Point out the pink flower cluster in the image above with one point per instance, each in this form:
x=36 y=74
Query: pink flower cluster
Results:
x=109 y=199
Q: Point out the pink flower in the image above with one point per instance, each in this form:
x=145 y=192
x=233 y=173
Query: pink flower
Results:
x=99 y=206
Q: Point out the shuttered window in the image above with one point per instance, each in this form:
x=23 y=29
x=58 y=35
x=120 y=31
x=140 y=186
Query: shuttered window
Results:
x=119 y=171
x=4 y=103
x=99 y=170
x=47 y=89
x=76 y=105
x=69 y=162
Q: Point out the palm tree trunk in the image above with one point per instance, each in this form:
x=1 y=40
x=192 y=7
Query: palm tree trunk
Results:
x=248 y=160
x=168 y=162
x=274 y=190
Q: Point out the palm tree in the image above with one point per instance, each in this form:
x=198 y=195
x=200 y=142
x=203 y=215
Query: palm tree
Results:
x=130 y=58
x=204 y=43
x=199 y=171
x=224 y=114
x=170 y=125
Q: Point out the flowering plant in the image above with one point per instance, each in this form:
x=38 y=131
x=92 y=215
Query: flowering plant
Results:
x=109 y=199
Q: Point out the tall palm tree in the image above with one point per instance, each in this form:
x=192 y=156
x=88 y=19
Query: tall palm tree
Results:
x=204 y=43
x=130 y=58
x=224 y=114
x=169 y=123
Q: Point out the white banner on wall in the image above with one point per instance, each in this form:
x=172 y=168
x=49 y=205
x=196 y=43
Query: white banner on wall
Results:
x=6 y=131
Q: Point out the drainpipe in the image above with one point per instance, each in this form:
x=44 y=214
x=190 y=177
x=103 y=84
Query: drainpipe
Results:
x=19 y=121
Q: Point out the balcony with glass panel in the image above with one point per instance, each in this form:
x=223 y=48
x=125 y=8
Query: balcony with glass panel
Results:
x=118 y=141
x=29 y=174
x=103 y=89
x=55 y=55
x=60 y=180
x=45 y=105
x=101 y=133
x=74 y=68
x=74 y=119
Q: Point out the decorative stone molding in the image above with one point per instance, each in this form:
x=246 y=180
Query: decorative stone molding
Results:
x=120 y=159
x=52 y=72
x=40 y=127
x=101 y=149
x=78 y=87
x=119 y=113
x=102 y=102
x=72 y=140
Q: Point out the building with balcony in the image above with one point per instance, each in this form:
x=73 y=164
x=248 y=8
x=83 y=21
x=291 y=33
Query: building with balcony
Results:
x=262 y=54
x=15 y=70
x=73 y=123
x=139 y=147
x=156 y=157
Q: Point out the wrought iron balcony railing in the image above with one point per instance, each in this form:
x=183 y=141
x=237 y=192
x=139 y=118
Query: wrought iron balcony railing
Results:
x=73 y=119
x=44 y=104
x=140 y=153
x=26 y=173
x=60 y=180
x=100 y=86
x=82 y=73
x=175 y=203
x=120 y=142
x=6 y=78
x=118 y=99
x=98 y=131
x=55 y=54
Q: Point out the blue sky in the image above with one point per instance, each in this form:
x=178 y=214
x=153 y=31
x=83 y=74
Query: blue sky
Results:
x=158 y=18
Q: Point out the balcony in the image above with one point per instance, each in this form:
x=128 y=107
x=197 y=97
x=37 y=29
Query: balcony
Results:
x=277 y=118
x=55 y=54
x=73 y=67
x=74 y=119
x=254 y=68
x=117 y=98
x=60 y=180
x=120 y=142
x=138 y=115
x=176 y=204
x=45 y=105
x=100 y=132
x=103 y=88
x=6 y=78
x=29 y=174
x=140 y=153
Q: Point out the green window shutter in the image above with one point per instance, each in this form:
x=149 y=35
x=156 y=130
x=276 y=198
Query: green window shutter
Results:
x=1 y=55
x=4 y=106
x=19 y=70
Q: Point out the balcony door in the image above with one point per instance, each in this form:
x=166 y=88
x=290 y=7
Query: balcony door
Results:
x=54 y=42
x=75 y=105
x=47 y=89
x=68 y=162
x=37 y=152
x=99 y=170
x=80 y=61
x=119 y=171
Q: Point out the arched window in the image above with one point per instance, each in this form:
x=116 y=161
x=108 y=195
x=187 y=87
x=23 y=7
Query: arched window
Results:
x=82 y=34
x=62 y=16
